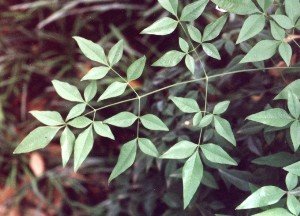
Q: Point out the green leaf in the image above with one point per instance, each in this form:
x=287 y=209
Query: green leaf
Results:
x=80 y=122
x=194 y=33
x=90 y=91
x=264 y=196
x=223 y=128
x=251 y=27
x=277 y=32
x=279 y=159
x=211 y=50
x=237 y=6
x=293 y=168
x=135 y=70
x=125 y=160
x=122 y=119
x=213 y=29
x=275 y=117
x=190 y=63
x=103 y=130
x=292 y=9
x=152 y=122
x=164 y=26
x=116 y=53
x=283 y=21
x=192 y=173
x=221 y=107
x=263 y=50
x=77 y=110
x=291 y=181
x=293 y=104
x=91 y=50
x=192 y=11
x=184 y=46
x=265 y=4
x=37 y=139
x=169 y=59
x=83 y=146
x=293 y=204
x=50 y=118
x=113 y=90
x=293 y=86
x=216 y=154
x=180 y=150
x=206 y=120
x=197 y=119
x=295 y=134
x=147 y=147
x=170 y=5
x=96 y=73
x=186 y=105
x=67 y=91
x=285 y=51
x=275 y=211
x=67 y=140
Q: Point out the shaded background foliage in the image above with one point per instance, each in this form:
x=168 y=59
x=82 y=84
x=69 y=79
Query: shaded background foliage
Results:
x=36 y=47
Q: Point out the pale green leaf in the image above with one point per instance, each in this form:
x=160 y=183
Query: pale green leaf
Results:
x=164 y=26
x=211 y=50
x=116 y=52
x=295 y=134
x=251 y=27
x=264 y=196
x=216 y=154
x=83 y=146
x=221 y=107
x=152 y=122
x=237 y=6
x=50 y=118
x=293 y=168
x=113 y=90
x=103 y=130
x=275 y=117
x=76 y=111
x=265 y=4
x=180 y=150
x=170 y=5
x=293 y=204
x=96 y=73
x=192 y=173
x=122 y=119
x=80 y=122
x=285 y=51
x=274 y=212
x=197 y=119
x=263 y=50
x=293 y=86
x=90 y=91
x=147 y=147
x=213 y=29
x=37 y=139
x=283 y=21
x=192 y=11
x=206 y=120
x=293 y=104
x=67 y=140
x=190 y=63
x=194 y=33
x=67 y=91
x=135 y=70
x=223 y=128
x=184 y=46
x=186 y=105
x=125 y=160
x=169 y=59
x=277 y=32
x=291 y=181
x=91 y=50
x=292 y=9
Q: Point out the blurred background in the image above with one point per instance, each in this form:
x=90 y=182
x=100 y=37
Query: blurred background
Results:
x=36 y=46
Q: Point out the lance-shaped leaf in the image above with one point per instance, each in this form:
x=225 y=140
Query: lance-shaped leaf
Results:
x=163 y=26
x=184 y=46
x=265 y=4
x=113 y=90
x=135 y=70
x=275 y=117
x=190 y=63
x=283 y=21
x=125 y=160
x=221 y=107
x=264 y=196
x=223 y=128
x=251 y=27
x=285 y=51
x=91 y=50
x=152 y=122
x=194 y=33
x=237 y=6
x=213 y=29
x=96 y=73
x=76 y=111
x=295 y=134
x=80 y=122
x=83 y=146
x=192 y=11
x=147 y=147
x=187 y=105
x=293 y=204
x=192 y=173
x=277 y=32
x=103 y=130
x=67 y=140
x=37 y=139
x=293 y=86
x=50 y=118
x=67 y=91
x=180 y=150
x=169 y=59
x=90 y=91
x=116 y=52
x=122 y=119
x=293 y=104
x=274 y=211
x=206 y=120
x=292 y=9
x=216 y=154
x=293 y=168
x=197 y=119
x=291 y=181
x=170 y=5
x=211 y=50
